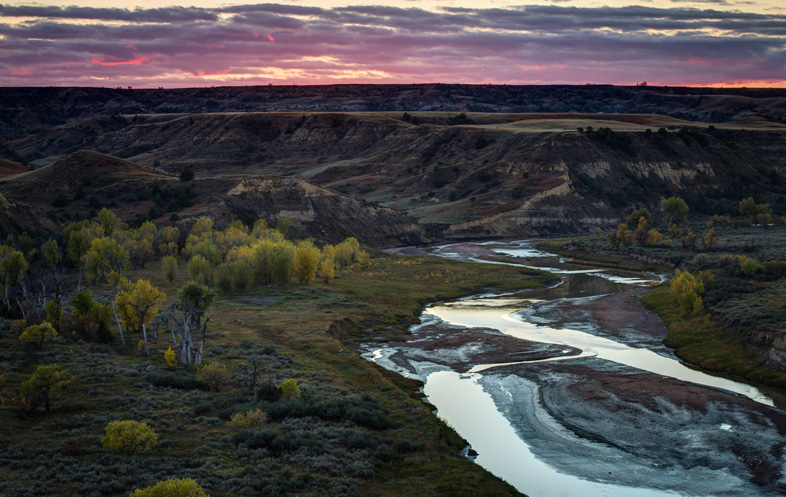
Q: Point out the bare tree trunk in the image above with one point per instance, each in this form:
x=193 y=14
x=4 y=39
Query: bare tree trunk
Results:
x=21 y=308
x=144 y=336
x=117 y=320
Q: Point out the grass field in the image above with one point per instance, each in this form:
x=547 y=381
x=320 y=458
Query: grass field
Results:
x=356 y=430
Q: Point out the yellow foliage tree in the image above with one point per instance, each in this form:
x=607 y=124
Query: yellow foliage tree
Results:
x=687 y=291
x=306 y=262
x=169 y=357
x=128 y=436
x=289 y=388
x=327 y=270
x=654 y=238
x=140 y=306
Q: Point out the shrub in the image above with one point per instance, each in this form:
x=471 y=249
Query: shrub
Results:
x=749 y=265
x=363 y=411
x=654 y=238
x=249 y=419
x=128 y=436
x=289 y=388
x=174 y=487
x=775 y=269
x=268 y=390
x=173 y=379
x=214 y=376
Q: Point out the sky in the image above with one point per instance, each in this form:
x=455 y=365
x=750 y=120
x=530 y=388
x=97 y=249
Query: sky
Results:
x=150 y=44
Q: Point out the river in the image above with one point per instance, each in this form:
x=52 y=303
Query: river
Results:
x=568 y=390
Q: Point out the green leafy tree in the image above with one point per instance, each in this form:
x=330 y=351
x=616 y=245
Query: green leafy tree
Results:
x=174 y=487
x=52 y=254
x=12 y=268
x=169 y=267
x=283 y=226
x=94 y=318
x=634 y=218
x=36 y=336
x=759 y=213
x=48 y=381
x=104 y=256
x=168 y=241
x=128 y=436
x=676 y=211
x=200 y=270
x=109 y=221
x=195 y=302
x=202 y=226
x=281 y=267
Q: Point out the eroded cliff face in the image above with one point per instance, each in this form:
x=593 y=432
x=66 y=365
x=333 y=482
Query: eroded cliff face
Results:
x=320 y=211
x=460 y=180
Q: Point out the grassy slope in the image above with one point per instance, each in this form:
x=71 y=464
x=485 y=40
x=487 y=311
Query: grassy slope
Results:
x=385 y=297
x=700 y=341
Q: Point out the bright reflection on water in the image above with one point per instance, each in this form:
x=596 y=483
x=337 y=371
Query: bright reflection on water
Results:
x=464 y=404
x=501 y=450
x=467 y=314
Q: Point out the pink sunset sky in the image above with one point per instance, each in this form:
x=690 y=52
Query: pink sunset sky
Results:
x=144 y=44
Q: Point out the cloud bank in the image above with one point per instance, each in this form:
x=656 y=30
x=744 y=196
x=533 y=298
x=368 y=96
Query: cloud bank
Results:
x=283 y=44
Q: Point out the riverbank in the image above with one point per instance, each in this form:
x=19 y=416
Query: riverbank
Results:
x=598 y=405
x=738 y=333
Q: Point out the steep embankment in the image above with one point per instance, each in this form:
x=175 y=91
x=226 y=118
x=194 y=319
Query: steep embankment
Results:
x=506 y=179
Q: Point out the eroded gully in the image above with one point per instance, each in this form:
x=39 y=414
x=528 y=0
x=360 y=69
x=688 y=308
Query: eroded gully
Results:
x=569 y=391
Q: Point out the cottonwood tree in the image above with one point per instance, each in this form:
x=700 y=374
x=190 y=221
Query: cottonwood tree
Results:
x=140 y=306
x=78 y=238
x=306 y=262
x=676 y=211
x=189 y=321
x=104 y=256
x=12 y=267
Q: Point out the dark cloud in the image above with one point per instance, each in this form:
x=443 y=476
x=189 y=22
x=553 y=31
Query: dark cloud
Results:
x=168 y=14
x=284 y=43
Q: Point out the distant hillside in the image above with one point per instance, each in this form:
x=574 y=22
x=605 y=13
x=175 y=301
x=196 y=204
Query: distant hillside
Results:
x=460 y=175
x=80 y=184
x=23 y=110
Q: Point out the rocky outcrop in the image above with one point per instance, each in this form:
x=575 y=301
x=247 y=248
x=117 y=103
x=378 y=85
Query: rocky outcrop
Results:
x=321 y=212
